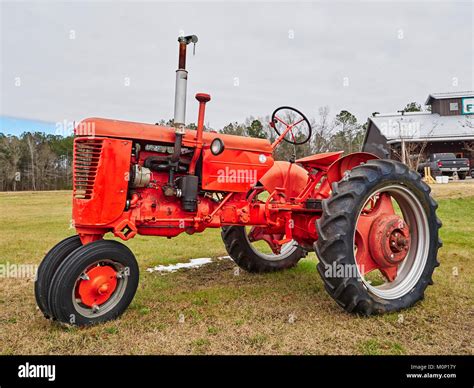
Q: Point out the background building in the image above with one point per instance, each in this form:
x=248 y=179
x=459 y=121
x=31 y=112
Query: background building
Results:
x=411 y=136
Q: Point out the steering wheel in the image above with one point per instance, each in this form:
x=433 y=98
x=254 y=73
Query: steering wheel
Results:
x=286 y=116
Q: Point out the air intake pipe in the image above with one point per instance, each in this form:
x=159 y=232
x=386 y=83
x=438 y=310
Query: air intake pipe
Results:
x=186 y=187
x=180 y=101
x=181 y=83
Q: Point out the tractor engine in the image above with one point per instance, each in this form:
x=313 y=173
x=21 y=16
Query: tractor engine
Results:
x=133 y=178
x=161 y=187
x=157 y=167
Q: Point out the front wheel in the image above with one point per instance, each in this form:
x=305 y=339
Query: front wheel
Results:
x=378 y=238
x=48 y=267
x=95 y=283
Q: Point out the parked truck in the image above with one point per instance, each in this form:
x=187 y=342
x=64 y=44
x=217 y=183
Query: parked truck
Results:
x=446 y=163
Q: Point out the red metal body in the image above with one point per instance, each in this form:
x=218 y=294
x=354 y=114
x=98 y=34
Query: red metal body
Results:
x=104 y=201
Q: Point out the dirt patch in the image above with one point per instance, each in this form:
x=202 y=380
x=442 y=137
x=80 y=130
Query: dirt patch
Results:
x=453 y=189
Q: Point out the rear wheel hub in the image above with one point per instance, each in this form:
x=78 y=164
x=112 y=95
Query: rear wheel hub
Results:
x=389 y=240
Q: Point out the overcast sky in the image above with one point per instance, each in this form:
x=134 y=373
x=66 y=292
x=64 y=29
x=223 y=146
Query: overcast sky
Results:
x=70 y=61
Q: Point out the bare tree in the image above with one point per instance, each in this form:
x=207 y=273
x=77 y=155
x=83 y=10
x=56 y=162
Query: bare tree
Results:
x=321 y=131
x=10 y=157
x=468 y=146
x=414 y=153
x=31 y=149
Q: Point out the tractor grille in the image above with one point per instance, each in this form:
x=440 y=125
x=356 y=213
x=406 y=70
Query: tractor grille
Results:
x=87 y=154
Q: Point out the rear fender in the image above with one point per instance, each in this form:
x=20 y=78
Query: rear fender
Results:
x=339 y=167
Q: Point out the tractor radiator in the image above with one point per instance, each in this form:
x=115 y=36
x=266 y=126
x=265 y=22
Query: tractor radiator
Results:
x=87 y=153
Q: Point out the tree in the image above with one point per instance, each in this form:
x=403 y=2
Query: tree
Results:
x=10 y=157
x=31 y=150
x=321 y=131
x=414 y=153
x=35 y=161
x=412 y=107
x=255 y=129
x=234 y=129
x=468 y=146
x=348 y=133
x=165 y=123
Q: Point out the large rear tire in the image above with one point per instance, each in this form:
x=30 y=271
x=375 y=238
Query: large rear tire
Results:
x=48 y=267
x=96 y=283
x=249 y=258
x=338 y=246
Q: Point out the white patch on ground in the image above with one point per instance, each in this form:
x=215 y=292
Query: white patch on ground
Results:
x=193 y=263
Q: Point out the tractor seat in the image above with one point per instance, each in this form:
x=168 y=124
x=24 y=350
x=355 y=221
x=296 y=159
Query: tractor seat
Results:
x=319 y=161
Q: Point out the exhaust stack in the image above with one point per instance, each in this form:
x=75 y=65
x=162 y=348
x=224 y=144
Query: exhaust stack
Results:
x=181 y=83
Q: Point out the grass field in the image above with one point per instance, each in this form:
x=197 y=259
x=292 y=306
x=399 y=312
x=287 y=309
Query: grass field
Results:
x=215 y=310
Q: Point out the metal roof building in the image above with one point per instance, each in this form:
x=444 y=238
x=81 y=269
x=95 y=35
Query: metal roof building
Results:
x=449 y=127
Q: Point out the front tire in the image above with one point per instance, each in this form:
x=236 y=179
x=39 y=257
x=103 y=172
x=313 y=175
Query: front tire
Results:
x=339 y=243
x=96 y=283
x=249 y=258
x=47 y=269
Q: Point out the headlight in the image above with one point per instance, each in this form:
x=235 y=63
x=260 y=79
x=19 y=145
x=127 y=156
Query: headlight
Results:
x=217 y=146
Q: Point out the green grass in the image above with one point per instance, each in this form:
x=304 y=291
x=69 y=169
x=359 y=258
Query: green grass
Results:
x=373 y=347
x=227 y=314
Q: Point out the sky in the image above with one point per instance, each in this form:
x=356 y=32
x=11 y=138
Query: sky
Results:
x=62 y=62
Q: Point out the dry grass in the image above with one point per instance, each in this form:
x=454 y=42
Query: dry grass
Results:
x=458 y=189
x=228 y=314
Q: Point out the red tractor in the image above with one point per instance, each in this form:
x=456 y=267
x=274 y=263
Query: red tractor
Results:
x=372 y=222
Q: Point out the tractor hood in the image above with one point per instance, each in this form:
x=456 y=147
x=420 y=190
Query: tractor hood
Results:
x=98 y=127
